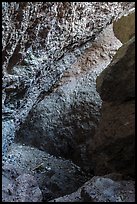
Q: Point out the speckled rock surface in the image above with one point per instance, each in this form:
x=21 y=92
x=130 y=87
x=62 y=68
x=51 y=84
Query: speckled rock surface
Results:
x=63 y=122
x=55 y=176
x=49 y=98
x=19 y=187
x=38 y=49
x=100 y=189
x=108 y=188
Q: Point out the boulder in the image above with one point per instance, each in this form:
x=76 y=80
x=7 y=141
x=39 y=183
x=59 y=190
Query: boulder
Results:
x=107 y=188
x=112 y=149
x=100 y=189
x=37 y=49
x=117 y=81
x=54 y=176
x=64 y=120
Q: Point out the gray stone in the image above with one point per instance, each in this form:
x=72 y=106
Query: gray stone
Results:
x=19 y=187
x=100 y=189
x=108 y=188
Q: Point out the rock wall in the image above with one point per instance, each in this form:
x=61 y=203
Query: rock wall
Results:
x=49 y=100
x=64 y=121
x=37 y=52
x=31 y=38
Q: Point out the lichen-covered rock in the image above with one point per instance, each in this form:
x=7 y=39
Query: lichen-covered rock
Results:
x=112 y=149
x=124 y=28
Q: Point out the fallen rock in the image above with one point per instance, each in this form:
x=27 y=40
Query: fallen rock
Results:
x=37 y=49
x=19 y=188
x=117 y=81
x=100 y=189
x=64 y=120
x=55 y=176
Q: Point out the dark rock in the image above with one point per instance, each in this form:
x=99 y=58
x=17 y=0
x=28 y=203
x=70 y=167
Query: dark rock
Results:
x=55 y=176
x=117 y=81
x=113 y=148
x=108 y=188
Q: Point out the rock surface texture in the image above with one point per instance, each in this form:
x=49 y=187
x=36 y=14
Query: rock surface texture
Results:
x=68 y=128
x=37 y=49
x=114 y=141
x=102 y=189
x=64 y=121
x=54 y=175
x=19 y=187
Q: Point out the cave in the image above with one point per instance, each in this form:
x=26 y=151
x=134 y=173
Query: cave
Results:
x=68 y=101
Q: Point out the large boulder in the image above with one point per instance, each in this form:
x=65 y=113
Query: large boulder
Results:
x=36 y=41
x=100 y=189
x=113 y=147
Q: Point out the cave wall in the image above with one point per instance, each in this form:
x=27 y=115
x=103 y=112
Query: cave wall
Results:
x=38 y=49
x=50 y=101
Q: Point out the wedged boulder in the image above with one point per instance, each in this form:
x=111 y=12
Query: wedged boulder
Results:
x=113 y=146
x=117 y=81
x=41 y=40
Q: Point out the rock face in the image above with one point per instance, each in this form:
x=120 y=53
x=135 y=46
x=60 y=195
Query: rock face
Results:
x=114 y=140
x=52 y=54
x=38 y=49
x=64 y=121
